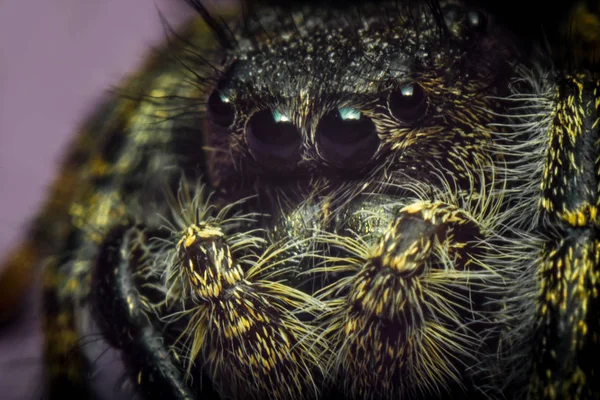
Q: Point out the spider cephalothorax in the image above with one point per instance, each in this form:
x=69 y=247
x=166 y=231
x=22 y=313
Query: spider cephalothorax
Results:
x=379 y=201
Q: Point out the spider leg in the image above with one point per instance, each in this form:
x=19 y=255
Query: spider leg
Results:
x=568 y=275
x=66 y=365
x=121 y=309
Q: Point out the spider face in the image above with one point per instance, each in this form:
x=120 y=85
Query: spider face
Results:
x=386 y=201
x=342 y=98
x=342 y=126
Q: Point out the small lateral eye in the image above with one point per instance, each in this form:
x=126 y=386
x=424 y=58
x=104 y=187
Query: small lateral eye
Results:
x=220 y=109
x=273 y=139
x=346 y=138
x=476 y=21
x=408 y=103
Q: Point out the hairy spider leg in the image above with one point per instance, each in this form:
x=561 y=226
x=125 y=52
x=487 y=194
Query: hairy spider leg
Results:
x=568 y=274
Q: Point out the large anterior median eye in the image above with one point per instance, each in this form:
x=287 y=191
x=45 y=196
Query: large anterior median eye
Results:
x=273 y=138
x=408 y=103
x=346 y=138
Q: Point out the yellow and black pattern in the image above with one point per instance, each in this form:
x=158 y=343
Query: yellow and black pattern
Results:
x=415 y=306
x=569 y=269
x=242 y=325
x=389 y=200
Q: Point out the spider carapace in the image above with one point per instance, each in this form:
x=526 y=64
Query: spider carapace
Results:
x=387 y=200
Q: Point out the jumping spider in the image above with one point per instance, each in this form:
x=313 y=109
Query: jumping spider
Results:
x=391 y=200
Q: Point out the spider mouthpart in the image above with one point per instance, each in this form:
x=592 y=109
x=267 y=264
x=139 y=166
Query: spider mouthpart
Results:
x=419 y=339
x=346 y=138
x=251 y=345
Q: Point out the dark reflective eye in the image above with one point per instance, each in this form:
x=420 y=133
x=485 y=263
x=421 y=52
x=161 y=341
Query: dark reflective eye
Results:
x=220 y=109
x=409 y=103
x=273 y=138
x=476 y=21
x=457 y=19
x=346 y=138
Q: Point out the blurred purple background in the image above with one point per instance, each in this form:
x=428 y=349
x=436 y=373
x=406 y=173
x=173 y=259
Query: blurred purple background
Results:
x=57 y=57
